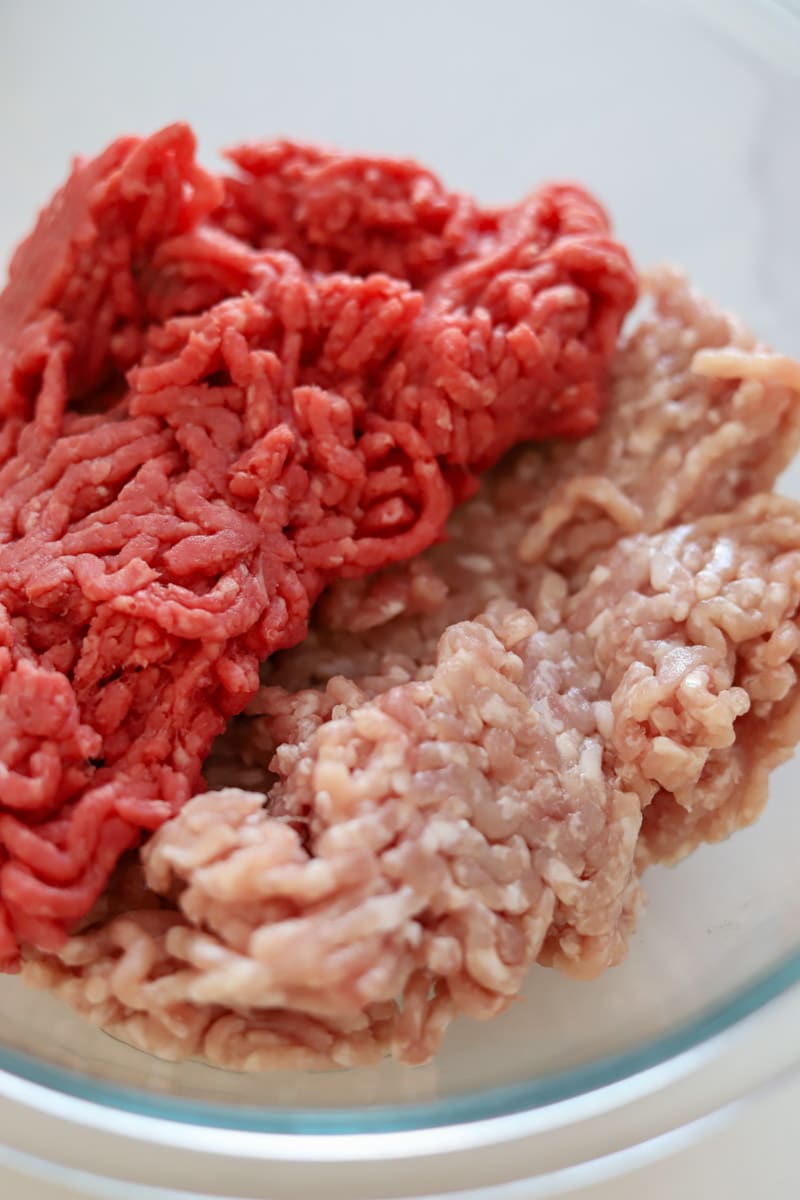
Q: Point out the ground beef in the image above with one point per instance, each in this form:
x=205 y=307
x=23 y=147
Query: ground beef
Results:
x=472 y=757
x=217 y=395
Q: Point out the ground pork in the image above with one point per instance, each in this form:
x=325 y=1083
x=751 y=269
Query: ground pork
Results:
x=217 y=395
x=472 y=757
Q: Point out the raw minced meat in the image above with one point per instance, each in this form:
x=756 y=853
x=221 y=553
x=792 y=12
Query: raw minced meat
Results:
x=218 y=395
x=466 y=766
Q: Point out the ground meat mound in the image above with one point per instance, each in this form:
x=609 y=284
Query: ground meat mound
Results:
x=467 y=765
x=218 y=395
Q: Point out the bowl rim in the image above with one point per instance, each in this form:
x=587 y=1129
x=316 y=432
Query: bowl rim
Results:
x=607 y=1167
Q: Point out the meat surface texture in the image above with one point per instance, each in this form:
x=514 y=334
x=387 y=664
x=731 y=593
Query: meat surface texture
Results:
x=466 y=766
x=218 y=394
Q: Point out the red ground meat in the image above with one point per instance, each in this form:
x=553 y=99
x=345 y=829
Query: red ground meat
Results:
x=218 y=395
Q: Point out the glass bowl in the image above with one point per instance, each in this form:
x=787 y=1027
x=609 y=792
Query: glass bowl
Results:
x=681 y=116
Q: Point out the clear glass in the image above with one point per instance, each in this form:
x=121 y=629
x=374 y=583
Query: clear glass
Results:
x=682 y=116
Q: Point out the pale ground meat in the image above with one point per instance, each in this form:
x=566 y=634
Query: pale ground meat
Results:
x=471 y=758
